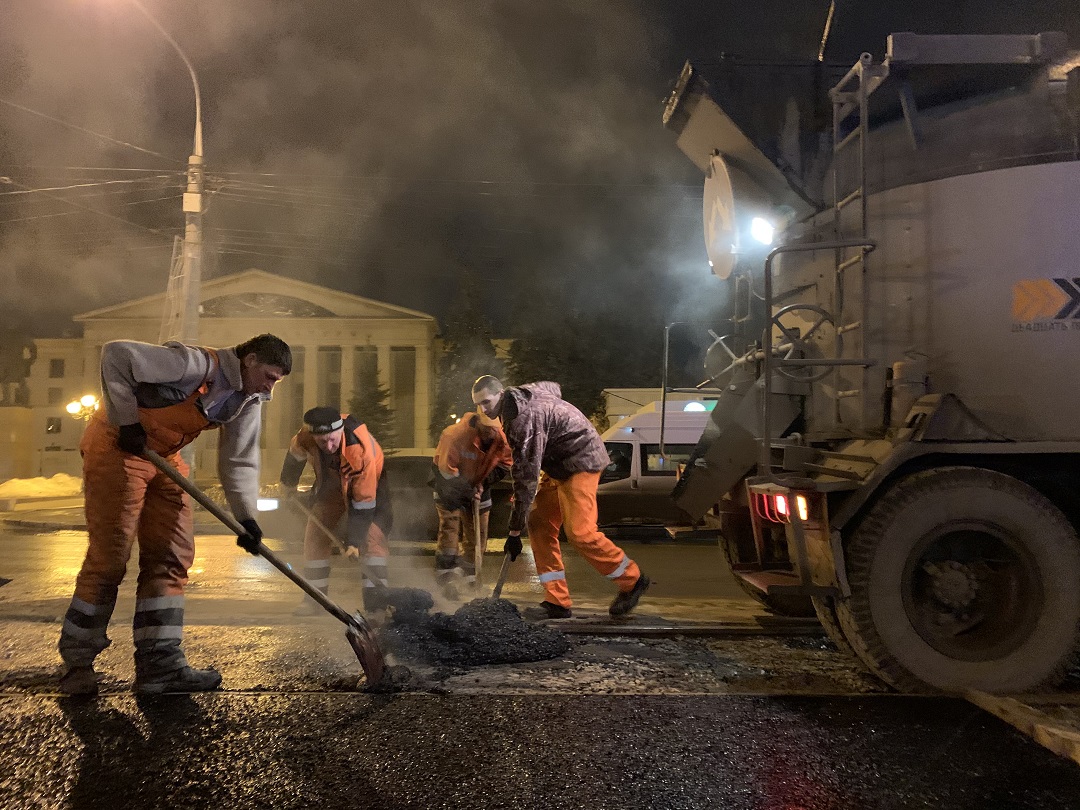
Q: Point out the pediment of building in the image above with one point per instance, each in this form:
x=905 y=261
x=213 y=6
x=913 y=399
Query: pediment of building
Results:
x=257 y=294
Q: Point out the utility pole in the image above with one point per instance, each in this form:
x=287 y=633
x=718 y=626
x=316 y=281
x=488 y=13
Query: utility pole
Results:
x=191 y=280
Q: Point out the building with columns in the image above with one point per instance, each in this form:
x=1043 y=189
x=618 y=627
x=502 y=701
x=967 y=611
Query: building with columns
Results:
x=338 y=340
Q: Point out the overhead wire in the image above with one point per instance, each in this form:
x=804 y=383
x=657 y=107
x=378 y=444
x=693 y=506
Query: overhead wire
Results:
x=66 y=201
x=30 y=190
x=86 y=131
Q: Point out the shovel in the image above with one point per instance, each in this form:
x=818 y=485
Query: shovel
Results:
x=478 y=550
x=357 y=631
x=310 y=515
x=495 y=594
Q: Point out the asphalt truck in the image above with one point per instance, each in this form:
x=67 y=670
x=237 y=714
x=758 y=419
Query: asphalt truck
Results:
x=896 y=440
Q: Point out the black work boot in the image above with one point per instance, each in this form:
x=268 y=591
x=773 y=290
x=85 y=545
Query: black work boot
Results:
x=375 y=599
x=79 y=681
x=626 y=601
x=547 y=610
x=181 y=680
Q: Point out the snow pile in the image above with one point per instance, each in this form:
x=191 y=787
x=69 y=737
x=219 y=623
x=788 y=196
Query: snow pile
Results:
x=59 y=486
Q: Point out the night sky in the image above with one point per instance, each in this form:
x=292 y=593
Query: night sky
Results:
x=386 y=149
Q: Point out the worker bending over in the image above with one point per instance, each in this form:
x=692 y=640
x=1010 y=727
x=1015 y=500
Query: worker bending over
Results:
x=350 y=479
x=161 y=398
x=558 y=457
x=472 y=455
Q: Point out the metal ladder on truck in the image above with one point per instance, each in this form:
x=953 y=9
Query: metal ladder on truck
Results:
x=850 y=100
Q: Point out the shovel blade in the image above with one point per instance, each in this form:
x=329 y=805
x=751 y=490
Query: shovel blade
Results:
x=367 y=650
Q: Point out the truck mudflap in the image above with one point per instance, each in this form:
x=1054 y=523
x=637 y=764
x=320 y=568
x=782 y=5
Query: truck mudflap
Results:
x=728 y=448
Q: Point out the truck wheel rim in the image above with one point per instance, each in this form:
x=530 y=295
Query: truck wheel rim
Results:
x=972 y=591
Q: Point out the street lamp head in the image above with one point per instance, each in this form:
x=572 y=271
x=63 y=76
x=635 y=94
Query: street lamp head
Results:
x=84 y=407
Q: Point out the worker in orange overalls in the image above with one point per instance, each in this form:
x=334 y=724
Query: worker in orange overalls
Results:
x=349 y=477
x=472 y=455
x=558 y=458
x=161 y=397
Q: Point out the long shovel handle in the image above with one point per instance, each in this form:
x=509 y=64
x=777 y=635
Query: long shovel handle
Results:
x=478 y=550
x=310 y=513
x=322 y=527
x=495 y=594
x=233 y=525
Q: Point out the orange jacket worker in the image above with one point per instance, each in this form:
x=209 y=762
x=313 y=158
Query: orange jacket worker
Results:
x=161 y=397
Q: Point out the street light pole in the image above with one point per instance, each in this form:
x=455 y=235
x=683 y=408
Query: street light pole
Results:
x=193 y=205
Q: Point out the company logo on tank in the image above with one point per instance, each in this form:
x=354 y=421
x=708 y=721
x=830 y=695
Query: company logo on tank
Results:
x=1046 y=305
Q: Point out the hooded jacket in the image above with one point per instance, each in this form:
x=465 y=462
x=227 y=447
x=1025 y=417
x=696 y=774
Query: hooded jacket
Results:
x=546 y=433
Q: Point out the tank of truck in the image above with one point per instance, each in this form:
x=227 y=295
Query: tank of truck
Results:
x=894 y=441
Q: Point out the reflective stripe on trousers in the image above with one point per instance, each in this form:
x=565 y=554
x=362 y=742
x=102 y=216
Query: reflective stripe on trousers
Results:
x=329 y=510
x=126 y=498
x=158 y=631
x=85 y=632
x=317 y=572
x=572 y=504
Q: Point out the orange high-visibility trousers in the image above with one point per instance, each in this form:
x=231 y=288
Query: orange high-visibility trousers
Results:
x=330 y=510
x=572 y=503
x=457 y=535
x=449 y=537
x=127 y=498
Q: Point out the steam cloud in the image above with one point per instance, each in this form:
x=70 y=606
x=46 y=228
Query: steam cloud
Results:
x=379 y=148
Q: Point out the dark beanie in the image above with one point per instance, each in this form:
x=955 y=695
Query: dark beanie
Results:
x=323 y=419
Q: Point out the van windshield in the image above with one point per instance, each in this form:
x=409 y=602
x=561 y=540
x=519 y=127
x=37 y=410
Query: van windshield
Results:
x=622 y=458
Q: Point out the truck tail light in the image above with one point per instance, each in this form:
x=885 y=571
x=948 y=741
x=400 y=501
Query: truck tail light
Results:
x=777 y=508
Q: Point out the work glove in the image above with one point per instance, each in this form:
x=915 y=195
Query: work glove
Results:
x=249 y=541
x=132 y=439
x=513 y=546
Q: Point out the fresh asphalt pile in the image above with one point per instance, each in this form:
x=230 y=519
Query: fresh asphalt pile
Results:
x=405 y=601
x=484 y=631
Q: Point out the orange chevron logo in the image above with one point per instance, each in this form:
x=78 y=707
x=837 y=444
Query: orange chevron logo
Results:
x=1044 y=299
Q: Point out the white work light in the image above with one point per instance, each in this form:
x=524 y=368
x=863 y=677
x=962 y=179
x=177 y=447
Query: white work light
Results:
x=762 y=230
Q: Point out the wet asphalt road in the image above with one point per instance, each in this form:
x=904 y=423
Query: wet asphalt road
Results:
x=692 y=581
x=291 y=734
x=335 y=751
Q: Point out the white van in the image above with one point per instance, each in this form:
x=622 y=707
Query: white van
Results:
x=636 y=486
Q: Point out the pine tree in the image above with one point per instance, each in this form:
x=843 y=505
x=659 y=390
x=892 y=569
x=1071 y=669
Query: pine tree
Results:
x=585 y=354
x=468 y=353
x=370 y=404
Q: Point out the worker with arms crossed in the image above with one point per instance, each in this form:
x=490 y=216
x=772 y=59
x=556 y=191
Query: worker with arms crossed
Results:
x=349 y=479
x=472 y=455
x=558 y=457
x=161 y=398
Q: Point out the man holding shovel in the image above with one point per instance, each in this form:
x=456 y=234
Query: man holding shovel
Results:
x=472 y=455
x=558 y=458
x=349 y=479
x=161 y=398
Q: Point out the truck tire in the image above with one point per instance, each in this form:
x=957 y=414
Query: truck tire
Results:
x=825 y=608
x=963 y=578
x=781 y=604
